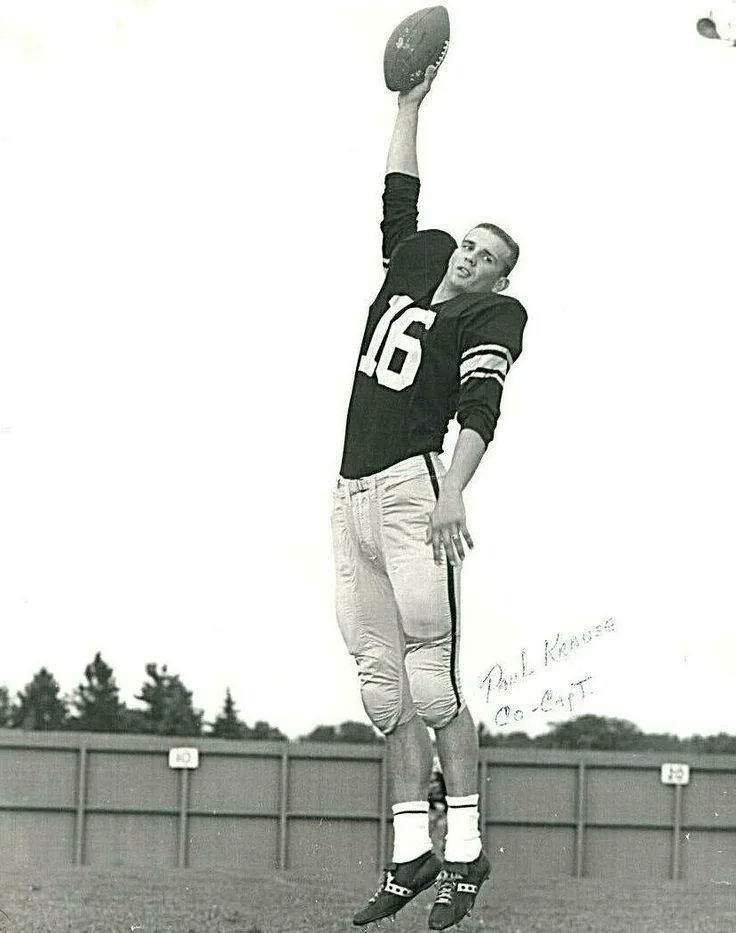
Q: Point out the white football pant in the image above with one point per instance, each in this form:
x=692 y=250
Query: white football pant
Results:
x=397 y=610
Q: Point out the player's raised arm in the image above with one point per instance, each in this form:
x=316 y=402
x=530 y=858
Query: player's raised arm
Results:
x=402 y=172
x=402 y=152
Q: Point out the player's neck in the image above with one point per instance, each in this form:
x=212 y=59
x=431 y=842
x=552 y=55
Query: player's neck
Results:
x=444 y=292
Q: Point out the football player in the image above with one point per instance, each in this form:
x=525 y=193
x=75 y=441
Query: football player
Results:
x=439 y=342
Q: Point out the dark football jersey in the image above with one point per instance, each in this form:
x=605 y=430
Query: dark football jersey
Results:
x=421 y=364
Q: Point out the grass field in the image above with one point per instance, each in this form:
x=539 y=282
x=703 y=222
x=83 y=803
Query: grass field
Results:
x=91 y=901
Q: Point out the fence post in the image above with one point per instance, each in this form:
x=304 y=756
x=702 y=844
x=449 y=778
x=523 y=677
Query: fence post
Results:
x=580 y=822
x=78 y=858
x=183 y=817
x=283 y=811
x=676 y=833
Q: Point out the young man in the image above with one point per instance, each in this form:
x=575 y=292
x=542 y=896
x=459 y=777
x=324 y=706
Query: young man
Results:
x=439 y=341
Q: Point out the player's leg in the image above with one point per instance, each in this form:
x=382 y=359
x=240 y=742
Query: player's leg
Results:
x=409 y=756
x=465 y=866
x=436 y=691
x=457 y=747
x=414 y=867
x=367 y=618
x=428 y=600
x=369 y=623
x=426 y=596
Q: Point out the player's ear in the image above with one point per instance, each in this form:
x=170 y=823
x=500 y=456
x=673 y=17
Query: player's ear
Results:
x=501 y=284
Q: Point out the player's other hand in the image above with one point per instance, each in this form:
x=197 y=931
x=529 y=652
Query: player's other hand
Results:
x=446 y=527
x=417 y=94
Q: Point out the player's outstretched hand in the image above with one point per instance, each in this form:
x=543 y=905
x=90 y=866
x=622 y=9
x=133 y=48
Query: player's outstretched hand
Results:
x=446 y=528
x=417 y=94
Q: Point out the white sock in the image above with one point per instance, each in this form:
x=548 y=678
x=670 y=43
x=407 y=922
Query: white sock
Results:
x=411 y=830
x=463 y=843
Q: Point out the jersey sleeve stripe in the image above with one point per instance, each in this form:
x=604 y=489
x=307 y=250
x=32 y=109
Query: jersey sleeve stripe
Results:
x=484 y=361
x=488 y=348
x=483 y=374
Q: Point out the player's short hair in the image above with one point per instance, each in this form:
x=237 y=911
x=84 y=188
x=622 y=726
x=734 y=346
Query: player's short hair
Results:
x=512 y=245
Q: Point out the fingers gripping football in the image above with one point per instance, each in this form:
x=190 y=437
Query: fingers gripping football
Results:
x=420 y=91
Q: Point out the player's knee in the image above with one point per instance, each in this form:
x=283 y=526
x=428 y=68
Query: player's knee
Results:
x=435 y=698
x=382 y=704
x=436 y=712
x=434 y=690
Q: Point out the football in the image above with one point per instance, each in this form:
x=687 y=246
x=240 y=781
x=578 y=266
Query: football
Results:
x=418 y=41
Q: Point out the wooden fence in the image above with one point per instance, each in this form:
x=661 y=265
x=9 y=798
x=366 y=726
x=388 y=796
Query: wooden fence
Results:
x=114 y=801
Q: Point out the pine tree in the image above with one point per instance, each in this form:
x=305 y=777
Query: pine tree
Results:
x=228 y=725
x=6 y=708
x=98 y=700
x=170 y=710
x=40 y=706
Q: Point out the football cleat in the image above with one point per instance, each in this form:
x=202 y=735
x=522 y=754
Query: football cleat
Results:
x=457 y=888
x=400 y=883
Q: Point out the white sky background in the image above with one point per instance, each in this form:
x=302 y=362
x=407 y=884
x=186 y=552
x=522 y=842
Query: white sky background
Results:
x=189 y=209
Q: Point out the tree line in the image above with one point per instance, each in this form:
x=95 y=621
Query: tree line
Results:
x=167 y=709
x=95 y=706
x=604 y=733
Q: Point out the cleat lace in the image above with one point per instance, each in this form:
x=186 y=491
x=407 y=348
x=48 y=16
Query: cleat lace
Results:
x=446 y=883
x=381 y=887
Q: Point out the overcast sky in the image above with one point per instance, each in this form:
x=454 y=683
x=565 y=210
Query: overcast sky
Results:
x=189 y=208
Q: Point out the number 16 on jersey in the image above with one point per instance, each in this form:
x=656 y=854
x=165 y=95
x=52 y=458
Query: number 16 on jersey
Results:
x=391 y=333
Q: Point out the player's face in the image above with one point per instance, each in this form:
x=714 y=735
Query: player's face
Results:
x=479 y=264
